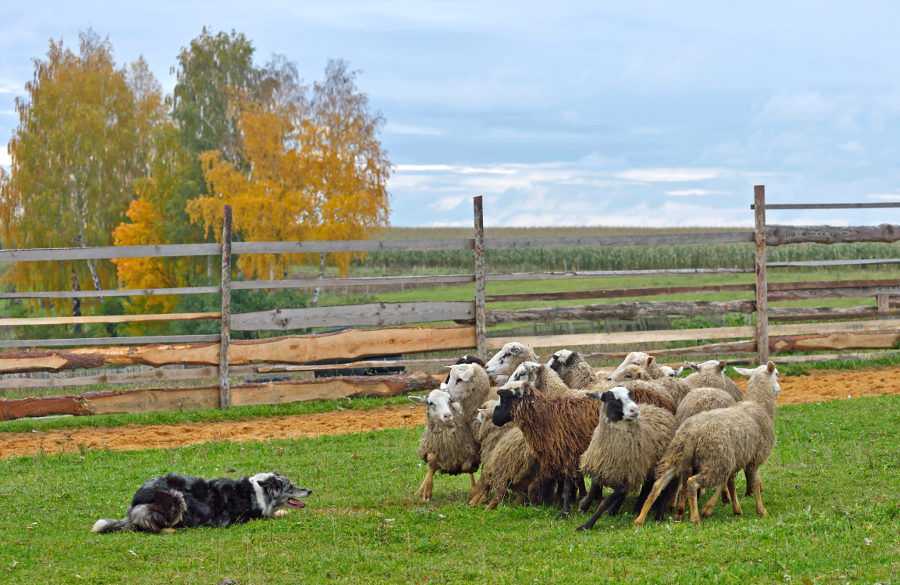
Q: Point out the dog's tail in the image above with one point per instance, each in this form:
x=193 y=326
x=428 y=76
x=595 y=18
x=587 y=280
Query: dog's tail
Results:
x=104 y=525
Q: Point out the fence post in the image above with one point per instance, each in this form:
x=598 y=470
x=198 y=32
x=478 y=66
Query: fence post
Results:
x=883 y=303
x=480 y=332
x=225 y=342
x=762 y=303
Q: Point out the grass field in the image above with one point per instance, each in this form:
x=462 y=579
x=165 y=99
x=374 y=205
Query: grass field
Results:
x=830 y=490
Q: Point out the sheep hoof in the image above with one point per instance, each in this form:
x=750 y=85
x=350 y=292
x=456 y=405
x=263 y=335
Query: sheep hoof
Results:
x=582 y=528
x=638 y=521
x=584 y=506
x=562 y=516
x=695 y=521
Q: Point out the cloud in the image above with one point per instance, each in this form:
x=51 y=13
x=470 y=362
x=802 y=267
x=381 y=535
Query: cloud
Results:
x=5 y=159
x=691 y=192
x=884 y=196
x=448 y=203
x=408 y=129
x=671 y=175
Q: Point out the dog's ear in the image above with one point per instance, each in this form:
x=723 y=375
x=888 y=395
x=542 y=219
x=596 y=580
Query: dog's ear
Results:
x=271 y=483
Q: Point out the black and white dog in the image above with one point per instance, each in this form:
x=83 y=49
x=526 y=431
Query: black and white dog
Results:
x=173 y=501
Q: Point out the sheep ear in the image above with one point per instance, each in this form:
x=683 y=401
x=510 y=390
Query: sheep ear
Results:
x=694 y=366
x=482 y=411
x=466 y=374
x=678 y=371
x=571 y=359
x=419 y=399
x=509 y=393
x=650 y=360
x=743 y=371
x=722 y=366
x=770 y=367
x=594 y=395
x=516 y=350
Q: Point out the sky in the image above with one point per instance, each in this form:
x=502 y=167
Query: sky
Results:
x=636 y=113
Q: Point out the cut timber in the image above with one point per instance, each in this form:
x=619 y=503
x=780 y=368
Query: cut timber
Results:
x=625 y=310
x=836 y=341
x=833 y=293
x=697 y=350
x=42 y=360
x=779 y=235
x=294 y=349
x=109 y=319
x=619 y=292
x=694 y=334
x=161 y=399
x=372 y=315
x=827 y=313
x=128 y=378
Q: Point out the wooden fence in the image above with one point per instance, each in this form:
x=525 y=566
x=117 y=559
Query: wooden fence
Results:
x=220 y=356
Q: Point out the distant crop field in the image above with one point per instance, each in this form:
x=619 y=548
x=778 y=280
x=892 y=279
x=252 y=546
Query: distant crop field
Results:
x=830 y=491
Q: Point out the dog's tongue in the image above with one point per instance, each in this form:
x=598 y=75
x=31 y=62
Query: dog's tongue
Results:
x=296 y=503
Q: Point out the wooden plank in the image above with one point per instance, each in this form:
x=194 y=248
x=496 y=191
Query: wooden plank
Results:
x=128 y=378
x=12 y=409
x=363 y=281
x=619 y=292
x=480 y=329
x=629 y=310
x=15 y=322
x=224 y=386
x=836 y=341
x=693 y=334
x=359 y=364
x=177 y=339
x=832 y=206
x=603 y=241
x=730 y=347
x=883 y=303
x=42 y=360
x=374 y=315
x=762 y=288
x=109 y=252
x=827 y=313
x=313 y=247
x=833 y=293
x=499 y=277
x=148 y=400
x=833 y=263
x=858 y=283
x=135 y=292
x=780 y=235
x=833 y=357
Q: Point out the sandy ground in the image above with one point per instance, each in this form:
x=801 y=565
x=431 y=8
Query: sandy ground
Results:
x=817 y=387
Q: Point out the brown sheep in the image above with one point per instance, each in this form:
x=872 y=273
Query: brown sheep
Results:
x=718 y=443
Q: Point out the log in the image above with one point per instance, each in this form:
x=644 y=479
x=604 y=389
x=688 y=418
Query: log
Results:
x=762 y=288
x=619 y=292
x=836 y=341
x=603 y=241
x=43 y=360
x=108 y=319
x=162 y=399
x=126 y=378
x=832 y=293
x=780 y=235
x=629 y=310
x=698 y=350
x=828 y=313
x=225 y=339
x=480 y=322
x=372 y=315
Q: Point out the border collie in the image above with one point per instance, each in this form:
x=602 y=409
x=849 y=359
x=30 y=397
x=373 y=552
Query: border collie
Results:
x=173 y=501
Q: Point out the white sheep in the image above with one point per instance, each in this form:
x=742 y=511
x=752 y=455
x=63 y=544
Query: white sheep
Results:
x=671 y=372
x=716 y=444
x=544 y=378
x=574 y=369
x=625 y=449
x=447 y=444
x=711 y=374
x=469 y=385
x=505 y=361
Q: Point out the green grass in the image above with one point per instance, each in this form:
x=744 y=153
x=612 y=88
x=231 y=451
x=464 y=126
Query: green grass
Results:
x=830 y=484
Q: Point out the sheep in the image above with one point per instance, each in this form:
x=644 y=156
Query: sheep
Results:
x=469 y=385
x=671 y=372
x=633 y=376
x=507 y=462
x=574 y=370
x=711 y=374
x=625 y=449
x=505 y=361
x=447 y=444
x=558 y=430
x=700 y=400
x=717 y=443
x=544 y=378
x=641 y=359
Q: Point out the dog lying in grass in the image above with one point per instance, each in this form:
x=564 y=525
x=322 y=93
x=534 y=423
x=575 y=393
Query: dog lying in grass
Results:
x=173 y=501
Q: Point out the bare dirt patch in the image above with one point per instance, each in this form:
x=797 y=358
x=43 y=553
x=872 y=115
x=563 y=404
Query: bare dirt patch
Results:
x=817 y=387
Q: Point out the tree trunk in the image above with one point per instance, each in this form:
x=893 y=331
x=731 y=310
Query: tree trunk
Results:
x=315 y=299
x=76 y=302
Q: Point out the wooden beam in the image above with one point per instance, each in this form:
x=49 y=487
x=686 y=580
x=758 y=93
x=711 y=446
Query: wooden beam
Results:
x=762 y=288
x=162 y=399
x=833 y=263
x=780 y=235
x=603 y=241
x=225 y=339
x=832 y=206
x=135 y=292
x=629 y=310
x=108 y=252
x=82 y=341
x=126 y=378
x=827 y=313
x=832 y=357
x=321 y=247
x=371 y=315
x=836 y=341
x=501 y=277
x=359 y=364
x=619 y=292
x=730 y=347
x=480 y=330
x=833 y=293
x=15 y=322
x=883 y=304
x=353 y=282
x=42 y=360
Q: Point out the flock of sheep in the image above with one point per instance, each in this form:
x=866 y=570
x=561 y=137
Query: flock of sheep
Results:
x=537 y=430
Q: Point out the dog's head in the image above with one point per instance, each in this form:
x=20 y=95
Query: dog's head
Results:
x=275 y=492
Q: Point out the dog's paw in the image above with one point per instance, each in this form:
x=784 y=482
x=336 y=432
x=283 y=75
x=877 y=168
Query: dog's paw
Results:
x=280 y=513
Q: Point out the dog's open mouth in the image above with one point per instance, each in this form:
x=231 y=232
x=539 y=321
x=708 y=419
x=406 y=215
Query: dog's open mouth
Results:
x=296 y=503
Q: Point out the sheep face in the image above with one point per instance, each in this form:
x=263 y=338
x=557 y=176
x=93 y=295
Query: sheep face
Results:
x=769 y=369
x=502 y=362
x=526 y=372
x=564 y=358
x=617 y=404
x=470 y=359
x=502 y=414
x=720 y=366
x=635 y=358
x=437 y=405
x=457 y=380
x=671 y=373
x=629 y=372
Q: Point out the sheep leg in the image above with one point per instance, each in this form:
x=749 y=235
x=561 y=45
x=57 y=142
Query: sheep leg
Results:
x=545 y=490
x=693 y=485
x=642 y=497
x=662 y=504
x=481 y=491
x=614 y=509
x=735 y=505
x=711 y=504
x=568 y=496
x=472 y=485
x=587 y=500
x=617 y=496
x=582 y=491
x=658 y=486
x=753 y=476
x=499 y=494
x=682 y=497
